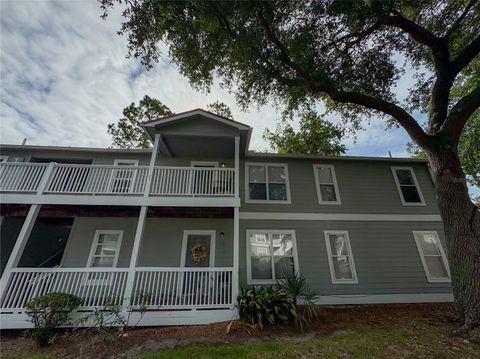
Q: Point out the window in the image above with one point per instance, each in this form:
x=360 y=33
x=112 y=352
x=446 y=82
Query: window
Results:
x=432 y=256
x=327 y=187
x=3 y=159
x=105 y=249
x=267 y=183
x=271 y=255
x=340 y=259
x=407 y=186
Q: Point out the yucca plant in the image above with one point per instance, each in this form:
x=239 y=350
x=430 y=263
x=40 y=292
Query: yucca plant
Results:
x=299 y=290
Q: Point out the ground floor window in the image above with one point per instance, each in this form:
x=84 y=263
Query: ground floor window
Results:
x=340 y=258
x=105 y=248
x=432 y=256
x=271 y=255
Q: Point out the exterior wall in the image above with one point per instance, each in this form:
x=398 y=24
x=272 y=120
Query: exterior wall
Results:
x=386 y=257
x=161 y=244
x=364 y=186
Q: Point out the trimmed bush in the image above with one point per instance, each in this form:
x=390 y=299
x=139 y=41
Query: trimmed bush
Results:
x=48 y=312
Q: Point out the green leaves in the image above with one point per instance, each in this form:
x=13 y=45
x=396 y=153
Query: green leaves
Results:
x=315 y=137
x=126 y=133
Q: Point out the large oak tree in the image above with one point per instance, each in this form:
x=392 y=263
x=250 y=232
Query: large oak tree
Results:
x=350 y=55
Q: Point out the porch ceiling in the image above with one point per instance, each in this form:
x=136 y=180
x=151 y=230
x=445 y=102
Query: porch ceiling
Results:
x=203 y=146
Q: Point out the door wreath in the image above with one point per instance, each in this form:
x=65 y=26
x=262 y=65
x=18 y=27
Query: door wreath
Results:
x=199 y=253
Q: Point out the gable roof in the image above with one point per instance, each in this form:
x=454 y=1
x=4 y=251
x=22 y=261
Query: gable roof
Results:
x=198 y=111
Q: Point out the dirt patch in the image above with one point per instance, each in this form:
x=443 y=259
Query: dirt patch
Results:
x=426 y=325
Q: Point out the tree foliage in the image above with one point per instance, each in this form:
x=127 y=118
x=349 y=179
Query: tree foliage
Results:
x=315 y=137
x=127 y=132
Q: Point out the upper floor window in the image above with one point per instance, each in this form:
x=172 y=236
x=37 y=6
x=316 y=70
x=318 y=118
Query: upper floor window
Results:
x=432 y=256
x=271 y=255
x=267 y=182
x=407 y=186
x=340 y=258
x=3 y=159
x=327 y=186
x=105 y=248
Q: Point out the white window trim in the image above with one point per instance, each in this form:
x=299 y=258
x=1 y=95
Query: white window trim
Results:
x=416 y=236
x=335 y=184
x=186 y=233
x=3 y=159
x=354 y=279
x=204 y=163
x=269 y=201
x=397 y=183
x=98 y=232
x=249 y=259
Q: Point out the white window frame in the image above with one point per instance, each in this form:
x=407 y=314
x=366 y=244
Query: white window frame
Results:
x=204 y=163
x=98 y=232
x=3 y=159
x=186 y=233
x=399 y=189
x=134 y=162
x=249 y=258
x=266 y=165
x=335 y=184
x=354 y=279
x=417 y=236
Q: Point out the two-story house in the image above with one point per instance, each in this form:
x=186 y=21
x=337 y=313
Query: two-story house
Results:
x=180 y=227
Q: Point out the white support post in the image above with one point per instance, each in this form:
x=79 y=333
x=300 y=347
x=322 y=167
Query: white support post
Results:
x=46 y=178
x=237 y=166
x=19 y=246
x=140 y=227
x=236 y=252
x=151 y=167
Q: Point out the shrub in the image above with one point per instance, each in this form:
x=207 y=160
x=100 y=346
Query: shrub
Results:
x=265 y=306
x=299 y=290
x=48 y=312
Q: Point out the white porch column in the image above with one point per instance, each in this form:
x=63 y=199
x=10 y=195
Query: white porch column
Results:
x=237 y=166
x=140 y=227
x=19 y=246
x=236 y=252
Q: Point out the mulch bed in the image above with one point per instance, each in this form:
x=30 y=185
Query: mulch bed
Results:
x=430 y=334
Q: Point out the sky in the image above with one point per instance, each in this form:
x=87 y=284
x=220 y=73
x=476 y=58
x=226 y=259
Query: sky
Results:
x=64 y=76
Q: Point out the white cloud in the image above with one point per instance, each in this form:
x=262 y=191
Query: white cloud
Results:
x=64 y=77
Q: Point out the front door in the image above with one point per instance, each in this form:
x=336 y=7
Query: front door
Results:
x=198 y=251
x=123 y=178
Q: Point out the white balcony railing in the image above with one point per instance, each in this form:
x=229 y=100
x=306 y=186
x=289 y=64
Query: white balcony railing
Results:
x=116 y=180
x=157 y=288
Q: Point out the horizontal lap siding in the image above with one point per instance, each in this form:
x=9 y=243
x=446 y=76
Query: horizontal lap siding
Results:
x=161 y=243
x=385 y=254
x=364 y=186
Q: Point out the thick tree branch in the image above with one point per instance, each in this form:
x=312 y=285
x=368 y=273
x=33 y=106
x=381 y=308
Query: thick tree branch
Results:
x=388 y=108
x=460 y=113
x=468 y=54
x=457 y=22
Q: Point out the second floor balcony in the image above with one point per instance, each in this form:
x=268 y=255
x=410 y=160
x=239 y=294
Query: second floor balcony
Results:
x=116 y=184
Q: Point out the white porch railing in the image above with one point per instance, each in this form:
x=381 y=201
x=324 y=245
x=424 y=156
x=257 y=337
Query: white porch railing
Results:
x=94 y=285
x=157 y=288
x=175 y=288
x=21 y=177
x=117 y=180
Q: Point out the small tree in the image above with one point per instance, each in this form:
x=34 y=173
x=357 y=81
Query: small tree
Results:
x=315 y=137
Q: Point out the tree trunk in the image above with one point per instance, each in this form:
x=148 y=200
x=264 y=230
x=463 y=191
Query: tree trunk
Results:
x=461 y=219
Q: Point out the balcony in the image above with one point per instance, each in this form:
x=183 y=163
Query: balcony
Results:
x=102 y=184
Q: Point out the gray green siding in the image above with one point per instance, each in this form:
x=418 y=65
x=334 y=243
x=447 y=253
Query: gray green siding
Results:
x=385 y=255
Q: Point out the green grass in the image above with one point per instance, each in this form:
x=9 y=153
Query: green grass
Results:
x=363 y=343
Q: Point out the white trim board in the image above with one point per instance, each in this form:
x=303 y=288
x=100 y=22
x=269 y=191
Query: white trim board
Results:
x=285 y=216
x=384 y=298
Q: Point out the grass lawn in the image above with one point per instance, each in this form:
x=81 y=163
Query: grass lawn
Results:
x=367 y=343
